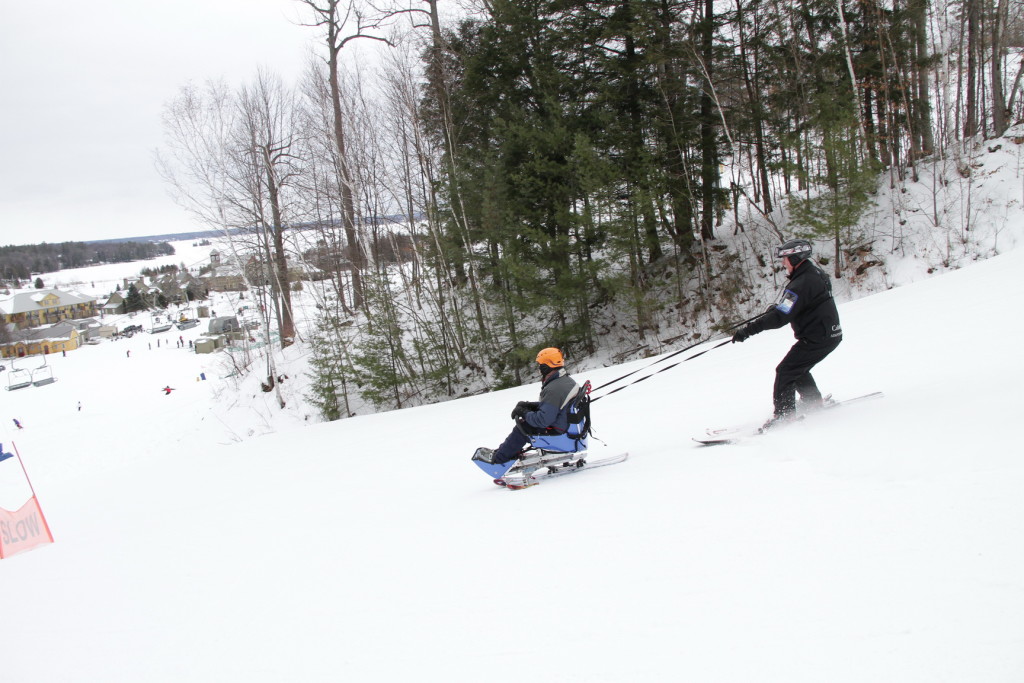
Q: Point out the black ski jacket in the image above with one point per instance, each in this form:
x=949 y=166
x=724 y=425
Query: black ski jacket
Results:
x=806 y=304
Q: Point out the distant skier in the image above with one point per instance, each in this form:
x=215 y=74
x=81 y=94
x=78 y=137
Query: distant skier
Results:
x=547 y=416
x=807 y=305
x=167 y=390
x=17 y=424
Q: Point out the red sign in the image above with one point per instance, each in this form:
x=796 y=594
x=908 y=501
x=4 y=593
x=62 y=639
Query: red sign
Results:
x=23 y=530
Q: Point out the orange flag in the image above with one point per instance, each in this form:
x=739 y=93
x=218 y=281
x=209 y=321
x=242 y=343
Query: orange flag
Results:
x=23 y=530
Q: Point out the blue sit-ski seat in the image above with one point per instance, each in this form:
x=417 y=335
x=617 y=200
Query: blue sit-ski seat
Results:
x=574 y=440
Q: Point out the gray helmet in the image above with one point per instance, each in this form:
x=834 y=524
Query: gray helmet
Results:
x=796 y=250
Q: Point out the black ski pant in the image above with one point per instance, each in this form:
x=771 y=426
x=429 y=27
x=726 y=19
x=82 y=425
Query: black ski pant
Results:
x=512 y=445
x=793 y=374
x=518 y=439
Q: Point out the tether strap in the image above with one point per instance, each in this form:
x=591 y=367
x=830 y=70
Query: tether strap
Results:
x=671 y=355
x=669 y=367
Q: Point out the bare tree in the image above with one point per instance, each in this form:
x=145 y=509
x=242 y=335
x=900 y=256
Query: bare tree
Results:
x=266 y=146
x=342 y=22
x=231 y=159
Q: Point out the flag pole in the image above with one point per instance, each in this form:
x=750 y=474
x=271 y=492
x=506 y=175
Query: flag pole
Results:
x=33 y=490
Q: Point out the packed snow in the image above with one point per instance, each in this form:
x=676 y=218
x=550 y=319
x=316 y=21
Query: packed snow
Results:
x=883 y=541
x=207 y=534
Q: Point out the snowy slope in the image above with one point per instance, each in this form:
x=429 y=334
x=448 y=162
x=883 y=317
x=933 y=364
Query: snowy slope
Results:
x=879 y=542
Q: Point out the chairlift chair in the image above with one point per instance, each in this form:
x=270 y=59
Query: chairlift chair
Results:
x=43 y=375
x=18 y=378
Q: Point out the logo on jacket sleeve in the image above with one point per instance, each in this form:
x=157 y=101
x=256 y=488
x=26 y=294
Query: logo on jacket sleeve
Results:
x=789 y=298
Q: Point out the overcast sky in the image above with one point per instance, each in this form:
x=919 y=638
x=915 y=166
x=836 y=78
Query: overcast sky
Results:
x=82 y=88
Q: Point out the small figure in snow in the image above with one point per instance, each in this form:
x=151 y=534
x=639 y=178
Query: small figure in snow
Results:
x=17 y=424
x=549 y=415
x=807 y=305
x=167 y=390
x=79 y=406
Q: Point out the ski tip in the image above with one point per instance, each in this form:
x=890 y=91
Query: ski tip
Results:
x=714 y=441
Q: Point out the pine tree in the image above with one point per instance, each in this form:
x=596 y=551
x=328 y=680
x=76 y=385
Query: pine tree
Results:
x=133 y=300
x=330 y=370
x=846 y=186
x=380 y=363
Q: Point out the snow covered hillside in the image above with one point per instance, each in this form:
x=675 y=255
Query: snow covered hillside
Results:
x=879 y=542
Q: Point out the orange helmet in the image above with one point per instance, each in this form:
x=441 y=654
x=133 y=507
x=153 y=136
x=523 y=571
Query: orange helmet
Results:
x=551 y=357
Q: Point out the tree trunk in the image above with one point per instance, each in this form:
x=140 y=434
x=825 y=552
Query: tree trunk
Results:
x=973 y=48
x=922 y=92
x=999 y=122
x=708 y=125
x=750 y=78
x=286 y=324
x=348 y=211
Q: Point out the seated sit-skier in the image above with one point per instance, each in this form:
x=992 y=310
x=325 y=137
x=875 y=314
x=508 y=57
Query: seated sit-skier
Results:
x=548 y=416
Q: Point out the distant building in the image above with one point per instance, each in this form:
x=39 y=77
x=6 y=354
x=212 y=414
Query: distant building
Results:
x=170 y=287
x=114 y=305
x=149 y=293
x=223 y=276
x=223 y=325
x=45 y=307
x=189 y=282
x=63 y=336
x=87 y=328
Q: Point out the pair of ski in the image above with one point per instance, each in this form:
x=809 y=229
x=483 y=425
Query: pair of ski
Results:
x=536 y=465
x=521 y=478
x=719 y=437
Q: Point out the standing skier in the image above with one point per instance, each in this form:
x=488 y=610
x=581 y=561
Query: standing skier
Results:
x=549 y=415
x=807 y=305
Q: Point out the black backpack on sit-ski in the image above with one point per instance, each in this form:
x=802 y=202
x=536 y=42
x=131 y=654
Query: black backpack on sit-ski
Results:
x=579 y=414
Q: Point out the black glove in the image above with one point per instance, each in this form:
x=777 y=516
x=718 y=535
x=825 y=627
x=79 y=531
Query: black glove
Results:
x=522 y=408
x=742 y=334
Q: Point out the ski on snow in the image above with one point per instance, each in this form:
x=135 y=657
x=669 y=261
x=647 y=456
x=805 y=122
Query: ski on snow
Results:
x=522 y=479
x=718 y=437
